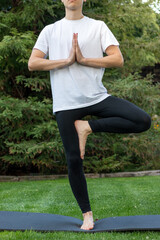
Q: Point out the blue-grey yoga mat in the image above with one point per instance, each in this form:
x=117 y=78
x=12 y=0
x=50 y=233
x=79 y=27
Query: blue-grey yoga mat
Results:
x=45 y=222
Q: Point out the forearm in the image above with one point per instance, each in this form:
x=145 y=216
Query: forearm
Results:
x=39 y=64
x=104 y=62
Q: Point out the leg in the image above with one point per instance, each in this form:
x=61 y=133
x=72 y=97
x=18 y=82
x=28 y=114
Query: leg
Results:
x=65 y=121
x=119 y=116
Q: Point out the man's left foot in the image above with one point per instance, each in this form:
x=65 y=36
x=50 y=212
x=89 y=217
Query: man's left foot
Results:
x=88 y=222
x=83 y=130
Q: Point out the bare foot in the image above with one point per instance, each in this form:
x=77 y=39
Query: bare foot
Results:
x=88 y=222
x=83 y=130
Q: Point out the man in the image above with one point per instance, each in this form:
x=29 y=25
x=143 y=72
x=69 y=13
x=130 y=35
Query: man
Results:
x=75 y=45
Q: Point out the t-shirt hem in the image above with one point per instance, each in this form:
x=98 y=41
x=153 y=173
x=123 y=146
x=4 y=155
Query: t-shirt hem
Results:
x=82 y=105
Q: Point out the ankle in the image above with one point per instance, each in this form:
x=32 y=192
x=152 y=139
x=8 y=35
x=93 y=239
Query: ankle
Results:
x=89 y=213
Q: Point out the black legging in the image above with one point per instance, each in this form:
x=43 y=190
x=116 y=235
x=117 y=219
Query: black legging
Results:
x=117 y=116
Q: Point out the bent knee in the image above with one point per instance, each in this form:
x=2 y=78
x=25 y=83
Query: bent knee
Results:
x=146 y=123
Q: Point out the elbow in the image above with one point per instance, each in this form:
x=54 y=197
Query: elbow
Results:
x=30 y=66
x=30 y=69
x=121 y=63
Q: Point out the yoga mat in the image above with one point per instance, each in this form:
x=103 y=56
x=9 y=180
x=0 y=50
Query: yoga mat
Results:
x=45 y=222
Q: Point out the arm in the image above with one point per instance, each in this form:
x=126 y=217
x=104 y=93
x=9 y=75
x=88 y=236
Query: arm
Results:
x=114 y=59
x=38 y=63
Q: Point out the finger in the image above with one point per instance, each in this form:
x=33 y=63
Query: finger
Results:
x=76 y=35
x=74 y=38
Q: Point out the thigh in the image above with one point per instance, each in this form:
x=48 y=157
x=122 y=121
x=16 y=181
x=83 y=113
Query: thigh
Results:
x=117 y=107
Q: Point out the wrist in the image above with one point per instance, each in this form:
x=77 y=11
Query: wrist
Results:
x=83 y=61
x=68 y=61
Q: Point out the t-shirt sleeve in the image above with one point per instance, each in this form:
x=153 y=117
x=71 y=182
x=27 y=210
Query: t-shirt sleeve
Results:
x=42 y=42
x=107 y=37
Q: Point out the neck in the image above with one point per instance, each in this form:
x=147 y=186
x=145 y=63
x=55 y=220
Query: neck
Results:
x=73 y=15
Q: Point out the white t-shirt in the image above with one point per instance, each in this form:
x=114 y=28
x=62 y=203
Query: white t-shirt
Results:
x=76 y=86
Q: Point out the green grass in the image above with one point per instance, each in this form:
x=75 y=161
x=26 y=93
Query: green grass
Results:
x=108 y=197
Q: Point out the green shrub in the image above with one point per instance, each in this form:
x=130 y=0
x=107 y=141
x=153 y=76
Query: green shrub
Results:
x=30 y=136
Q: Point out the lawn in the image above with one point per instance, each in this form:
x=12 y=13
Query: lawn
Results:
x=108 y=197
